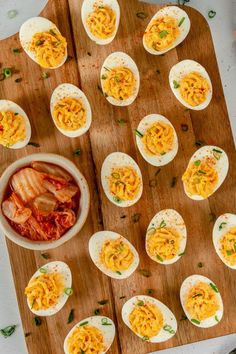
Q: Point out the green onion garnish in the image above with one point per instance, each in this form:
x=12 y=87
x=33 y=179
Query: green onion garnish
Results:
x=163 y=34
x=151 y=230
x=71 y=316
x=45 y=75
x=117 y=199
x=118 y=272
x=162 y=224
x=121 y=122
x=104 y=77
x=140 y=135
x=175 y=83
x=68 y=291
x=8 y=331
x=140 y=303
x=77 y=152
x=159 y=258
x=105 y=322
x=181 y=254
x=45 y=255
x=181 y=21
x=96 y=312
x=12 y=13
x=195 y=321
x=229 y=253
x=197 y=162
x=52 y=32
x=202 y=172
x=83 y=323
x=115 y=175
x=150 y=291
x=7 y=72
x=146 y=273
x=217 y=319
x=16 y=50
x=222 y=225
x=37 y=321
x=43 y=270
x=211 y=13
x=169 y=329
x=141 y=15
x=214 y=287
x=33 y=144
x=107 y=69
x=145 y=338
x=193 y=297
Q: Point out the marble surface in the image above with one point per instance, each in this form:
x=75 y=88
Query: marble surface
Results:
x=222 y=27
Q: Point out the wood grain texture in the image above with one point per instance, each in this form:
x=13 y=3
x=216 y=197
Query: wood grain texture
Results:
x=105 y=136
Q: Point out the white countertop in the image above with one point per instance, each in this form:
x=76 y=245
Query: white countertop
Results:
x=222 y=27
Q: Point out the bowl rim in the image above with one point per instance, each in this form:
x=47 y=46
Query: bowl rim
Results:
x=70 y=167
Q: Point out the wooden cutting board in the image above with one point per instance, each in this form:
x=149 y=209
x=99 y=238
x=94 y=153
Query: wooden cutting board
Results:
x=105 y=136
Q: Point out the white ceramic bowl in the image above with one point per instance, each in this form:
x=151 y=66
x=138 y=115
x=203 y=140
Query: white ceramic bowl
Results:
x=84 y=201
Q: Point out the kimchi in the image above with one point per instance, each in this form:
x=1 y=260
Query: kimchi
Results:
x=41 y=201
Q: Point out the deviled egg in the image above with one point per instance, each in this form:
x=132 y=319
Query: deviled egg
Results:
x=191 y=84
x=224 y=239
x=43 y=42
x=49 y=288
x=167 y=29
x=93 y=335
x=166 y=237
x=15 y=130
x=120 y=79
x=101 y=19
x=149 y=319
x=157 y=140
x=70 y=110
x=201 y=301
x=113 y=254
x=121 y=179
x=206 y=171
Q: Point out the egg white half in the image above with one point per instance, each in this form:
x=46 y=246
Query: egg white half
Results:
x=169 y=317
x=6 y=105
x=119 y=159
x=221 y=166
x=69 y=90
x=222 y=225
x=88 y=7
x=187 y=284
x=27 y=31
x=108 y=331
x=183 y=68
x=118 y=59
x=95 y=246
x=158 y=160
x=178 y=14
x=62 y=268
x=174 y=220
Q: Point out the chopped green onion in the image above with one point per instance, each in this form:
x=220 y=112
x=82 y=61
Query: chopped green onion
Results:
x=169 y=329
x=181 y=21
x=97 y=312
x=37 y=321
x=140 y=303
x=104 y=77
x=150 y=291
x=12 y=13
x=222 y=225
x=115 y=175
x=141 y=15
x=103 y=302
x=33 y=144
x=71 y=316
x=217 y=319
x=146 y=273
x=118 y=272
x=145 y=338
x=195 y=321
x=163 y=34
x=151 y=230
x=140 y=135
x=214 y=287
x=159 y=258
x=45 y=255
x=16 y=114
x=217 y=153
x=181 y=254
x=162 y=224
x=77 y=152
x=175 y=83
x=107 y=69
x=105 y=322
x=202 y=172
x=52 y=32
x=16 y=50
x=68 y=291
x=7 y=72
x=197 y=162
x=197 y=295
x=117 y=199
x=229 y=253
x=121 y=122
x=45 y=75
x=183 y=318
x=43 y=270
x=199 y=143
x=83 y=323
x=8 y=331
x=39 y=42
x=211 y=13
